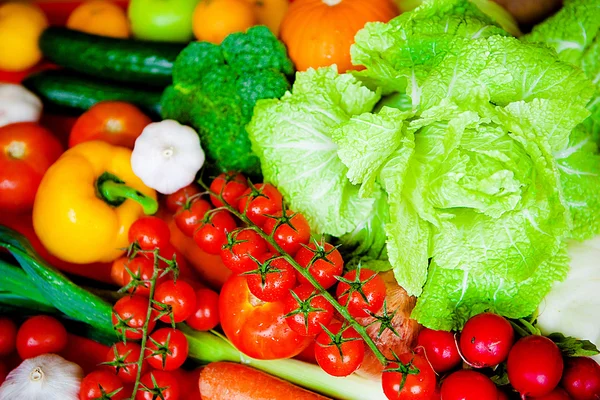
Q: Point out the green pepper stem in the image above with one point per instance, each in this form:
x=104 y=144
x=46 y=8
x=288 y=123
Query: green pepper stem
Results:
x=114 y=191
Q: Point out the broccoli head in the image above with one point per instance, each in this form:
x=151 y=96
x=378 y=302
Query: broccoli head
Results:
x=215 y=89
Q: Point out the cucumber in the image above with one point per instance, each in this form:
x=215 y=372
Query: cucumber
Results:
x=124 y=60
x=66 y=91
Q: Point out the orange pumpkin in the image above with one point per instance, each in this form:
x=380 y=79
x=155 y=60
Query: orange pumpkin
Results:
x=319 y=33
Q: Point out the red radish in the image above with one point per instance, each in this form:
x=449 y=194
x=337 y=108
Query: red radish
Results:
x=556 y=394
x=468 y=385
x=439 y=347
x=486 y=340
x=581 y=378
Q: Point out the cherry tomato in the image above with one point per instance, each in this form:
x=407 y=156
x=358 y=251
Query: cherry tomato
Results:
x=306 y=311
x=439 y=347
x=118 y=269
x=241 y=246
x=180 y=299
x=272 y=279
x=534 y=366
x=99 y=384
x=206 y=314
x=260 y=200
x=149 y=233
x=163 y=386
x=188 y=216
x=372 y=287
x=341 y=354
x=129 y=316
x=123 y=358
x=256 y=328
x=27 y=151
x=169 y=252
x=140 y=269
x=211 y=236
x=181 y=197
x=115 y=122
x=419 y=379
x=231 y=186
x=581 y=378
x=467 y=384
x=486 y=340
x=556 y=394
x=289 y=232
x=8 y=336
x=327 y=265
x=167 y=349
x=40 y=335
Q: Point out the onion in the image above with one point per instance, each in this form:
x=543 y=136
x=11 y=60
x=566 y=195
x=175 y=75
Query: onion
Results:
x=46 y=377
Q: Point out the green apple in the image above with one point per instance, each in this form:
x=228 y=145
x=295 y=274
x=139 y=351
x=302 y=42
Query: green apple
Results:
x=162 y=20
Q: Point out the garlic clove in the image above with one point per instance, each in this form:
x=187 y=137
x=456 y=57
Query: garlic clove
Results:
x=18 y=104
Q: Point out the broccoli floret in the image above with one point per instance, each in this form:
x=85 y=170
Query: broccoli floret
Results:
x=215 y=89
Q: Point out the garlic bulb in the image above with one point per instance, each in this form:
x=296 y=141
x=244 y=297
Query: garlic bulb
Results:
x=46 y=377
x=167 y=156
x=18 y=104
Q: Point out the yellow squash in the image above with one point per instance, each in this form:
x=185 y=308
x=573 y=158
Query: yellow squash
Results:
x=87 y=201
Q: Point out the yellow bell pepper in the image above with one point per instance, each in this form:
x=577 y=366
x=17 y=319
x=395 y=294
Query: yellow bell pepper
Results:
x=87 y=201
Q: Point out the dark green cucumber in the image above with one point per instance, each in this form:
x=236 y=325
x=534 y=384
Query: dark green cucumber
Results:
x=124 y=60
x=62 y=90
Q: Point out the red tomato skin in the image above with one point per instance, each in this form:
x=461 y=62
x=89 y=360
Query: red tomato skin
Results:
x=374 y=290
x=149 y=233
x=323 y=271
x=8 y=336
x=231 y=186
x=39 y=335
x=486 y=340
x=468 y=385
x=188 y=219
x=256 y=207
x=206 y=315
x=277 y=284
x=92 y=384
x=256 y=328
x=27 y=150
x=534 y=366
x=315 y=318
x=178 y=199
x=131 y=352
x=556 y=394
x=247 y=244
x=417 y=386
x=439 y=347
x=289 y=236
x=180 y=296
x=211 y=235
x=133 y=309
x=140 y=267
x=164 y=380
x=178 y=349
x=328 y=355
x=581 y=378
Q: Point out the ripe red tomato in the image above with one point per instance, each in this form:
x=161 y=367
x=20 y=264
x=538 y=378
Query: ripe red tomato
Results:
x=289 y=232
x=163 y=386
x=118 y=269
x=167 y=349
x=231 y=186
x=327 y=265
x=372 y=286
x=115 y=122
x=260 y=200
x=123 y=358
x=8 y=336
x=129 y=316
x=206 y=314
x=556 y=394
x=140 y=269
x=341 y=354
x=188 y=216
x=419 y=378
x=40 y=335
x=306 y=311
x=101 y=383
x=272 y=279
x=256 y=328
x=468 y=384
x=486 y=340
x=181 y=197
x=211 y=236
x=179 y=298
x=149 y=233
x=439 y=347
x=241 y=246
x=534 y=365
x=581 y=378
x=28 y=150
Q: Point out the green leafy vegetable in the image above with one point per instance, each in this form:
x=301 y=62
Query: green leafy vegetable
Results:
x=216 y=87
x=572 y=347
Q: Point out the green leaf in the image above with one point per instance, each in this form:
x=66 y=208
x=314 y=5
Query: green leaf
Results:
x=572 y=347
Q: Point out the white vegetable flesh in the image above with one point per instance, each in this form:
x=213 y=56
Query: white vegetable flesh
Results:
x=18 y=104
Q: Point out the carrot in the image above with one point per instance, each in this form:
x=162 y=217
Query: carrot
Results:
x=85 y=352
x=231 y=381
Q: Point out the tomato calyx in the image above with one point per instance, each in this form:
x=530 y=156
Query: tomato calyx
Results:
x=304 y=307
x=355 y=286
x=336 y=339
x=120 y=361
x=188 y=201
x=156 y=390
x=108 y=396
x=254 y=194
x=385 y=320
x=284 y=219
x=162 y=349
x=403 y=369
x=163 y=310
x=264 y=268
x=320 y=252
x=122 y=327
x=16 y=149
x=232 y=240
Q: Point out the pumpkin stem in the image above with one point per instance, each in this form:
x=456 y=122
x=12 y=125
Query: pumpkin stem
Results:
x=332 y=3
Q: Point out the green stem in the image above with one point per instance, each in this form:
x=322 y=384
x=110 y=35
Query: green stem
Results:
x=114 y=191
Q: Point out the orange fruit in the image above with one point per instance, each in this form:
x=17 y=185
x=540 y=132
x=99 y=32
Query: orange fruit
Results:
x=213 y=20
x=21 y=25
x=270 y=12
x=99 y=17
